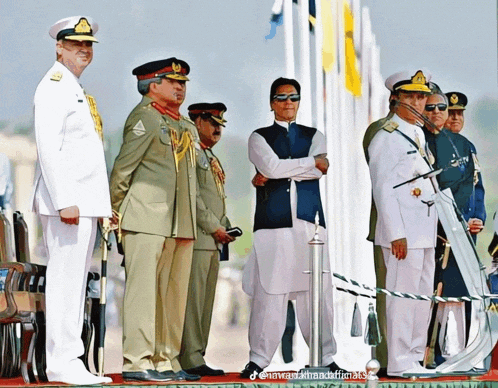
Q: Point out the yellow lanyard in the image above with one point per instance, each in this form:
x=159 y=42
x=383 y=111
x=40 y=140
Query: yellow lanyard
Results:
x=97 y=119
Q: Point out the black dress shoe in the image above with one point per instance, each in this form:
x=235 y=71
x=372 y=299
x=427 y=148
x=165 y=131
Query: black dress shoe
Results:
x=169 y=374
x=382 y=372
x=146 y=375
x=204 y=370
x=251 y=369
x=333 y=367
x=184 y=376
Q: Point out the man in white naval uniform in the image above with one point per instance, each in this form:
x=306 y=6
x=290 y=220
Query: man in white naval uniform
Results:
x=406 y=223
x=71 y=193
x=290 y=159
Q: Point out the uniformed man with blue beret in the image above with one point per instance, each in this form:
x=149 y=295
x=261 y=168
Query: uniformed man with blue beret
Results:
x=456 y=156
x=474 y=210
x=212 y=225
x=153 y=188
x=71 y=192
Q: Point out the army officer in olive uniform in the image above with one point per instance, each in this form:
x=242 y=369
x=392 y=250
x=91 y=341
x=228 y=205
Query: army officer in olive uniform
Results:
x=153 y=187
x=211 y=234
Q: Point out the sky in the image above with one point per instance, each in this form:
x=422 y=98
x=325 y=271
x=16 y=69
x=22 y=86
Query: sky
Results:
x=224 y=44
x=455 y=39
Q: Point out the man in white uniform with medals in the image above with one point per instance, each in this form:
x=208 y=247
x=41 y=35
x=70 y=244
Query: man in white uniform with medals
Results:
x=71 y=193
x=406 y=222
x=290 y=159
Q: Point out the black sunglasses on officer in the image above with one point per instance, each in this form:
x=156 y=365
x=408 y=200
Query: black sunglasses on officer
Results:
x=441 y=106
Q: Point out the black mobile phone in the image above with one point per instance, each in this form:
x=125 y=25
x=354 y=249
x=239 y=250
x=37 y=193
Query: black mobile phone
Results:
x=234 y=232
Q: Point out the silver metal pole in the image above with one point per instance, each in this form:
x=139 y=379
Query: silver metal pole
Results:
x=316 y=286
x=315 y=371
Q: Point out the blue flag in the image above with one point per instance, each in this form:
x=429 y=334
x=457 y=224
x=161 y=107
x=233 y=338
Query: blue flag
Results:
x=276 y=20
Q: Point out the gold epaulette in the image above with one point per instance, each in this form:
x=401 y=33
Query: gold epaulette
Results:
x=57 y=76
x=390 y=126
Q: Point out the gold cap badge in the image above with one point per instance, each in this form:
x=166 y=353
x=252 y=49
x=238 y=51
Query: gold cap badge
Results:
x=82 y=27
x=176 y=67
x=454 y=99
x=419 y=78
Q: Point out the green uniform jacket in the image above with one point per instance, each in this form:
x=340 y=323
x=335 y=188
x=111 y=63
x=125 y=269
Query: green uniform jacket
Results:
x=371 y=131
x=145 y=187
x=211 y=209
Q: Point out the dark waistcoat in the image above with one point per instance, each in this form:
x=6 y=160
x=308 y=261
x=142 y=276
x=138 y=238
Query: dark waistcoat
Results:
x=273 y=208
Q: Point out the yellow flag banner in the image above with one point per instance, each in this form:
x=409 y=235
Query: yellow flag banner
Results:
x=353 y=79
x=328 y=46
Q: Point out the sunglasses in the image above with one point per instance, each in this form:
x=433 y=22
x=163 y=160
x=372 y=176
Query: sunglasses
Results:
x=284 y=97
x=431 y=107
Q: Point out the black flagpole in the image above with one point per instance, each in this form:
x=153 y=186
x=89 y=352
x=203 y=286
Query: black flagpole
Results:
x=106 y=246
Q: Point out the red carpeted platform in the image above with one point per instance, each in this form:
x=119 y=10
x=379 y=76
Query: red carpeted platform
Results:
x=232 y=380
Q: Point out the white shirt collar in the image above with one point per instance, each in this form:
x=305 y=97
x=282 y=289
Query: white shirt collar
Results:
x=284 y=124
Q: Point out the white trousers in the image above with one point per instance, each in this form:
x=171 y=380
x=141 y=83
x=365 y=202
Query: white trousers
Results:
x=408 y=320
x=269 y=316
x=69 y=250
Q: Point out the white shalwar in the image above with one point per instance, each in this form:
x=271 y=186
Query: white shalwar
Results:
x=274 y=272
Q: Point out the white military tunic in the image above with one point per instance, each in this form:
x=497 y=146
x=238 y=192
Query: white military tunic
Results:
x=402 y=213
x=274 y=271
x=71 y=166
x=71 y=171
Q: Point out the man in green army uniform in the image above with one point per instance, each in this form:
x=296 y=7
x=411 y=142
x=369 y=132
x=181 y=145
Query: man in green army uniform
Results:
x=379 y=264
x=153 y=188
x=211 y=235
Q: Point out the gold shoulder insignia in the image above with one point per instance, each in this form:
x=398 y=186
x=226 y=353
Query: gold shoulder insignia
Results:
x=390 y=126
x=57 y=76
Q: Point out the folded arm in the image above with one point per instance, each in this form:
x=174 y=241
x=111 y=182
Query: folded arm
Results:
x=271 y=166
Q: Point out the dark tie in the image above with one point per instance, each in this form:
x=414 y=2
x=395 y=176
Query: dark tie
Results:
x=292 y=134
